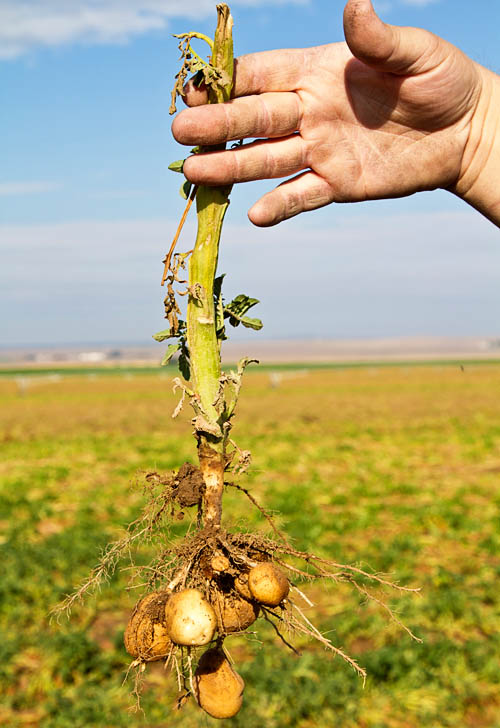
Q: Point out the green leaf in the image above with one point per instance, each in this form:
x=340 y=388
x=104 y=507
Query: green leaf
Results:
x=172 y=349
x=241 y=304
x=236 y=310
x=251 y=323
x=185 y=189
x=177 y=166
x=218 y=286
x=162 y=335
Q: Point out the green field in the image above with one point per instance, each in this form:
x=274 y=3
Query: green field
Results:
x=394 y=468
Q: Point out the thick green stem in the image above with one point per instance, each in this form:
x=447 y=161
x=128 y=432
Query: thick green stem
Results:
x=211 y=203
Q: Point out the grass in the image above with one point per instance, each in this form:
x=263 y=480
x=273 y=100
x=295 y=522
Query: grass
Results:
x=396 y=468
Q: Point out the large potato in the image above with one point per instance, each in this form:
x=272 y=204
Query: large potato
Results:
x=268 y=584
x=219 y=689
x=237 y=614
x=146 y=634
x=190 y=619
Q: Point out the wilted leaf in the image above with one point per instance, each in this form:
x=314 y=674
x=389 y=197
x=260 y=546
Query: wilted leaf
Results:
x=196 y=65
x=198 y=79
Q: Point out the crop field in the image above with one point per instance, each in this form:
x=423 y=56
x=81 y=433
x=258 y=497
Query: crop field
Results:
x=394 y=468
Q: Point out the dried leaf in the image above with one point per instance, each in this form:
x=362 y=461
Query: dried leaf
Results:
x=200 y=424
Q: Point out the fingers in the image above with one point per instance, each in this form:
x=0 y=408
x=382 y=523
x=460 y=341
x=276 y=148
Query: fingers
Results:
x=259 y=160
x=257 y=73
x=388 y=47
x=269 y=115
x=308 y=191
x=194 y=95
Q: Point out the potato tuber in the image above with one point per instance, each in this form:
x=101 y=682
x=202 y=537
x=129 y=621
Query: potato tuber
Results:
x=218 y=688
x=268 y=584
x=237 y=614
x=190 y=619
x=146 y=634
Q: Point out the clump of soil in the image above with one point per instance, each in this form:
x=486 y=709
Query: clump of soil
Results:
x=188 y=486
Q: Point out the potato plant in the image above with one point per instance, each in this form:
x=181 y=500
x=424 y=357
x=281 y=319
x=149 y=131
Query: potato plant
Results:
x=213 y=583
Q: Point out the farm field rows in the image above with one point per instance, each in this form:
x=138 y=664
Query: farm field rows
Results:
x=395 y=469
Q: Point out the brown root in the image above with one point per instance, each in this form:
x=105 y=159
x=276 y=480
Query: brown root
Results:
x=217 y=563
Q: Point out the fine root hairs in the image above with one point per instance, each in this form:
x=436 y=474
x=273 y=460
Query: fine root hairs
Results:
x=153 y=517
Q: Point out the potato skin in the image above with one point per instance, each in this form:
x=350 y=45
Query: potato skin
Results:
x=190 y=619
x=241 y=586
x=220 y=563
x=237 y=614
x=146 y=634
x=218 y=688
x=268 y=584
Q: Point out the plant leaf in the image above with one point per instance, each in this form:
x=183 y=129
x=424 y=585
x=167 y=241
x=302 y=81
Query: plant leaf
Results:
x=162 y=335
x=219 y=308
x=236 y=310
x=177 y=166
x=185 y=189
x=251 y=323
x=184 y=365
x=241 y=304
x=171 y=350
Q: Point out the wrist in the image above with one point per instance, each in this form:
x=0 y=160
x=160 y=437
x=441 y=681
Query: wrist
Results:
x=478 y=182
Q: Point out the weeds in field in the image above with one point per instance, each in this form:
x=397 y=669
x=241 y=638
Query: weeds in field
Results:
x=395 y=467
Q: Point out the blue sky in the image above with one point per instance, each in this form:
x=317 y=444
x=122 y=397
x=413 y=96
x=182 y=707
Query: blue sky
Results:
x=87 y=206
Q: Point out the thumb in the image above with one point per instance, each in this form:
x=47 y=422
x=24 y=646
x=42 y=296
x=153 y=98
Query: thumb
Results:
x=388 y=47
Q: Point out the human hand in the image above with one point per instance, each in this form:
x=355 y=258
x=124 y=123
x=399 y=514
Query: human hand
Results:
x=386 y=114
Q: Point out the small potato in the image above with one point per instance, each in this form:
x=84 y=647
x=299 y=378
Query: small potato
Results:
x=268 y=584
x=190 y=619
x=146 y=633
x=220 y=564
x=237 y=614
x=241 y=586
x=218 y=688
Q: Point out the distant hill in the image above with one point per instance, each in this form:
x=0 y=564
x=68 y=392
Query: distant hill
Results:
x=267 y=351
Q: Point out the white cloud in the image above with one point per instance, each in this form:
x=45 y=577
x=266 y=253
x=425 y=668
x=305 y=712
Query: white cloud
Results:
x=384 y=6
x=26 y=188
x=419 y=3
x=364 y=275
x=28 y=24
